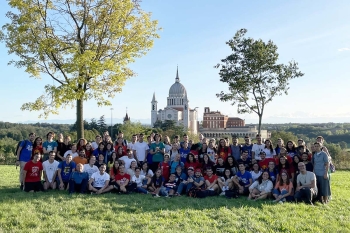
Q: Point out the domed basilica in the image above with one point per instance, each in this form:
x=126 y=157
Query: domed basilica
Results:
x=177 y=108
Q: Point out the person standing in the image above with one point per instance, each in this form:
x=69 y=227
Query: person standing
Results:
x=320 y=161
x=49 y=145
x=140 y=150
x=235 y=148
x=157 y=150
x=257 y=148
x=24 y=154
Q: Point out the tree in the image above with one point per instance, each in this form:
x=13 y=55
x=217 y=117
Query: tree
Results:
x=253 y=76
x=85 y=46
x=343 y=145
x=101 y=124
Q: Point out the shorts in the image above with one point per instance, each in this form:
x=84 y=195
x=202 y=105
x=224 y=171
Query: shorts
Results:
x=33 y=186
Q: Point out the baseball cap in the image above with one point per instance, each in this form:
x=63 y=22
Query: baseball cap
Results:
x=191 y=168
x=198 y=170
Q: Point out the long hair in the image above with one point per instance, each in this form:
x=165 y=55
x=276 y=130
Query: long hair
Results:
x=115 y=170
x=281 y=180
x=271 y=148
x=261 y=177
x=286 y=165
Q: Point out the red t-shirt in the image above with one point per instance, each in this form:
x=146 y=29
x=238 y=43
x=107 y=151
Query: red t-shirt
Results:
x=264 y=164
x=289 y=171
x=165 y=169
x=33 y=171
x=122 y=178
x=223 y=153
x=193 y=164
x=116 y=151
x=211 y=179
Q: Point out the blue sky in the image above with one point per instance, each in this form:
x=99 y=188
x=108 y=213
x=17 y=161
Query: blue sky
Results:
x=316 y=34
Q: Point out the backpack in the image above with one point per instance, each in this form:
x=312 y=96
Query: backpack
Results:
x=197 y=193
x=233 y=193
x=18 y=144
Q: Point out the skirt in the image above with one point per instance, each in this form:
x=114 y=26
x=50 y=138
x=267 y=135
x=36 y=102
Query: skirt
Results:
x=323 y=186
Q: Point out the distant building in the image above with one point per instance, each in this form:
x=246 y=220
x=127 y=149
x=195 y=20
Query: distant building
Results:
x=126 y=118
x=177 y=108
x=216 y=125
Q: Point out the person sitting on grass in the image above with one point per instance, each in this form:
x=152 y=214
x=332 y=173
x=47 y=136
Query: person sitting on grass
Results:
x=141 y=181
x=306 y=189
x=65 y=168
x=273 y=172
x=156 y=183
x=123 y=181
x=146 y=170
x=50 y=171
x=211 y=182
x=283 y=189
x=225 y=182
x=181 y=179
x=243 y=179
x=197 y=181
x=169 y=187
x=131 y=170
x=99 y=181
x=256 y=172
x=261 y=188
x=78 y=180
x=32 y=174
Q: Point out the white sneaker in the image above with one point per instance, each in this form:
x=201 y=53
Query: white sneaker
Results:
x=223 y=193
x=280 y=202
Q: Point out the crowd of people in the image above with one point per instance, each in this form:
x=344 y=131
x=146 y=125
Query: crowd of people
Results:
x=175 y=167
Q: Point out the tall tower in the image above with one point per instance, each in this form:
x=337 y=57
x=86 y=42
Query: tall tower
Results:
x=186 y=114
x=154 y=110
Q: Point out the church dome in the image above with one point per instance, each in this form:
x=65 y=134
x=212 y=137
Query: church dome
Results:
x=177 y=89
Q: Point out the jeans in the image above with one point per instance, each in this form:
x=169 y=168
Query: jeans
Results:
x=182 y=186
x=81 y=188
x=141 y=190
x=277 y=192
x=305 y=194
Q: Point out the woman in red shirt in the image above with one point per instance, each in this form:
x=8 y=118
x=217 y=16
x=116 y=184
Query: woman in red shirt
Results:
x=223 y=150
x=191 y=162
x=38 y=147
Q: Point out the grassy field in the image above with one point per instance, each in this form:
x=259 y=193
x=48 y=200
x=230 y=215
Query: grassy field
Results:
x=56 y=211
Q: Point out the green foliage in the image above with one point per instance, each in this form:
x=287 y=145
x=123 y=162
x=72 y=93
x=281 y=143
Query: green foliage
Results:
x=286 y=136
x=56 y=211
x=343 y=145
x=169 y=128
x=253 y=76
x=130 y=128
x=101 y=124
x=86 y=50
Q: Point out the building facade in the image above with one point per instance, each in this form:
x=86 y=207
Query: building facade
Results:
x=177 y=108
x=216 y=125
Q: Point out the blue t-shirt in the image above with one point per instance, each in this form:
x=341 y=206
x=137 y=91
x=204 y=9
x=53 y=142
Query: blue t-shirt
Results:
x=198 y=180
x=184 y=152
x=244 y=178
x=180 y=178
x=273 y=175
x=247 y=148
x=26 y=152
x=66 y=170
x=49 y=146
x=79 y=176
x=174 y=164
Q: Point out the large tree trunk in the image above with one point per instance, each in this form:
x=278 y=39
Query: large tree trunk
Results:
x=259 y=128
x=80 y=121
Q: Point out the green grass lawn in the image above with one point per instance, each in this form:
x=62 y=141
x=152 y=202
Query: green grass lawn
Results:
x=56 y=211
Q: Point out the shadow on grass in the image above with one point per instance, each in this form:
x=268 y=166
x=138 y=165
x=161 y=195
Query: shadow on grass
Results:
x=132 y=203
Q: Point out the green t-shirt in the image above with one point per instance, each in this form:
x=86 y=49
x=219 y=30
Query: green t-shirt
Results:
x=157 y=157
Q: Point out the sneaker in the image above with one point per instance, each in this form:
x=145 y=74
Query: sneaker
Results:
x=167 y=196
x=280 y=202
x=222 y=193
x=155 y=195
x=284 y=200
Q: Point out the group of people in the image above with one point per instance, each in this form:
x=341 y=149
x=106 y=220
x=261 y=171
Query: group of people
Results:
x=164 y=167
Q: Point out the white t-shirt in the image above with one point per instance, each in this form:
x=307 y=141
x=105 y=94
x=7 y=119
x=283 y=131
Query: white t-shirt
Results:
x=141 y=148
x=131 y=145
x=138 y=180
x=90 y=170
x=127 y=161
x=255 y=176
x=99 y=180
x=94 y=145
x=173 y=154
x=50 y=169
x=167 y=148
x=149 y=173
x=268 y=153
x=307 y=179
x=70 y=152
x=211 y=154
x=257 y=149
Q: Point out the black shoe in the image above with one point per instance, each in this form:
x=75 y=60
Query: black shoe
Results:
x=21 y=187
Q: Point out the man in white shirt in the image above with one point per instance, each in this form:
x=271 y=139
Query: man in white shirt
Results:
x=257 y=148
x=90 y=168
x=133 y=142
x=72 y=152
x=128 y=158
x=140 y=150
x=306 y=189
x=99 y=181
x=96 y=143
x=50 y=171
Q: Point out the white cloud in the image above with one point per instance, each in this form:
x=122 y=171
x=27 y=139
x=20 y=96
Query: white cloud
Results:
x=343 y=49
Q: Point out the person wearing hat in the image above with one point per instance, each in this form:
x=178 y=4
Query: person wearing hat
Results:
x=197 y=180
